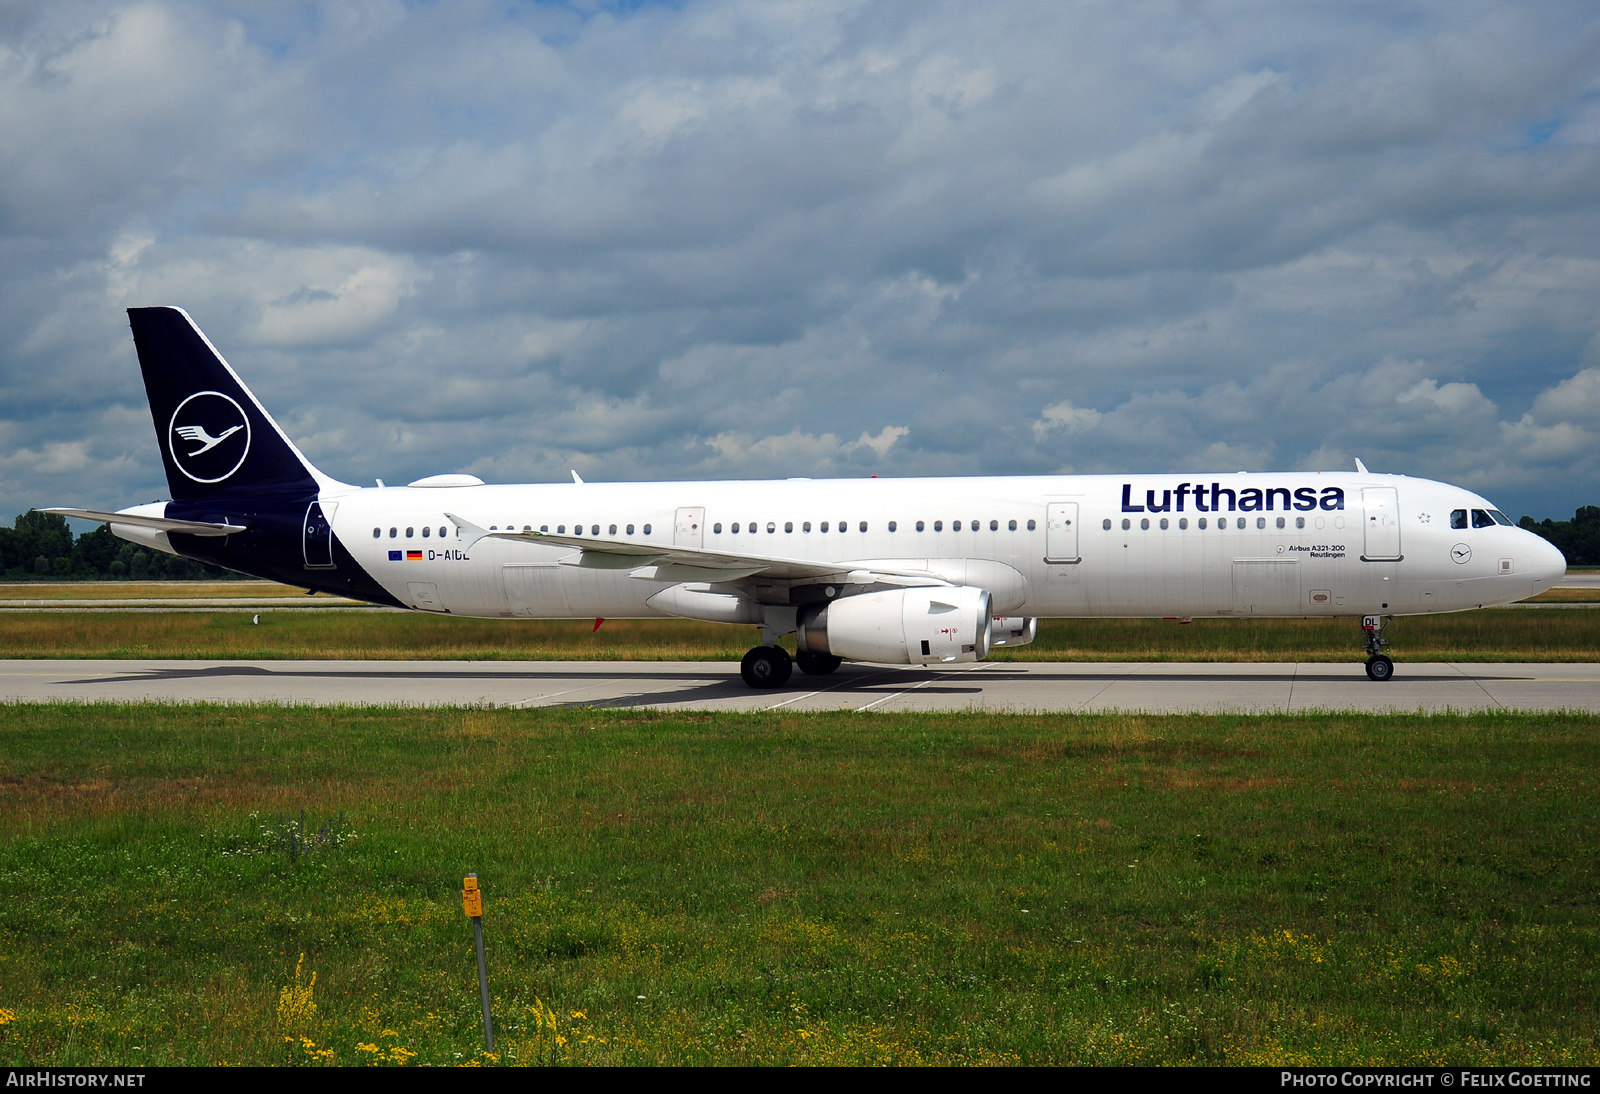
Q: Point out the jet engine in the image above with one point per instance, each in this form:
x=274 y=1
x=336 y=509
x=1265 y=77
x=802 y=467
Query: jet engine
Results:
x=1014 y=630
x=915 y=626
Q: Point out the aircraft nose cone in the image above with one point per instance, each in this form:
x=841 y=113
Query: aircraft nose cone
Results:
x=1549 y=565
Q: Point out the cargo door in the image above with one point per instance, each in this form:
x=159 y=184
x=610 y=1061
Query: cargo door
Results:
x=425 y=595
x=1061 y=532
x=538 y=592
x=690 y=530
x=1266 y=586
x=1382 y=543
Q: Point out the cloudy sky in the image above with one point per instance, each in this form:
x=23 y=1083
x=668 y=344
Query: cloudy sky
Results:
x=812 y=237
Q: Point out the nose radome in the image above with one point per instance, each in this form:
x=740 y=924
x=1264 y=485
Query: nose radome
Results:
x=1549 y=565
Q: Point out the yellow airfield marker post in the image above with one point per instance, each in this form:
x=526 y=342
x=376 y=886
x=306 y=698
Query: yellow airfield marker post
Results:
x=472 y=904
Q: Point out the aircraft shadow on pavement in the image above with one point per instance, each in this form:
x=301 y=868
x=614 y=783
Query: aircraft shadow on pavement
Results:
x=861 y=679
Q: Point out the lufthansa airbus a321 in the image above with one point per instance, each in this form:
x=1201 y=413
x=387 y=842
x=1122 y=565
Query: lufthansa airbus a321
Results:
x=890 y=571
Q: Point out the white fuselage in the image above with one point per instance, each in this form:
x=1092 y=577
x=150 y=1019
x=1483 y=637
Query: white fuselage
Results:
x=1292 y=544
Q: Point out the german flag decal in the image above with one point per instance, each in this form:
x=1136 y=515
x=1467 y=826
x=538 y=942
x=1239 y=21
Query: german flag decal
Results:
x=413 y=556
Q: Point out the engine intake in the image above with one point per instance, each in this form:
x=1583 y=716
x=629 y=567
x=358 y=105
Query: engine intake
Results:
x=917 y=626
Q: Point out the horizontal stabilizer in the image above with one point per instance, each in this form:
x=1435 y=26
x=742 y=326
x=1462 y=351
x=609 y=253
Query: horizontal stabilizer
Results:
x=160 y=524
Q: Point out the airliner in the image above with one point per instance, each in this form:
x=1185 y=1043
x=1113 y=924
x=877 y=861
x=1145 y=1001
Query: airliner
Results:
x=929 y=571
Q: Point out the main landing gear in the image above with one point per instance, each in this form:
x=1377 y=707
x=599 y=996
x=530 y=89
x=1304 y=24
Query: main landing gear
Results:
x=767 y=667
x=817 y=664
x=770 y=666
x=1379 y=666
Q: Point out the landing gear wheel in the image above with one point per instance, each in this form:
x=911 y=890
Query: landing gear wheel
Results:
x=766 y=667
x=1379 y=667
x=817 y=664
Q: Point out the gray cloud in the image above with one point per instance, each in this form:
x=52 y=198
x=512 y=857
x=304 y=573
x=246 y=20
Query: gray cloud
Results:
x=732 y=239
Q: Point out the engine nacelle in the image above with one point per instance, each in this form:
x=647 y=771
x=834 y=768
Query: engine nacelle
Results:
x=917 y=626
x=1013 y=630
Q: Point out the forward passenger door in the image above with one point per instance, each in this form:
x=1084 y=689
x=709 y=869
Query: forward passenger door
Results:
x=1061 y=532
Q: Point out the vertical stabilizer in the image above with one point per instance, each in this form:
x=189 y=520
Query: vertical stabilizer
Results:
x=216 y=440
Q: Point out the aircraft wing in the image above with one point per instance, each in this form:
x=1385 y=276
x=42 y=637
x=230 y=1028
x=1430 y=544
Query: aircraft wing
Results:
x=161 y=524
x=668 y=562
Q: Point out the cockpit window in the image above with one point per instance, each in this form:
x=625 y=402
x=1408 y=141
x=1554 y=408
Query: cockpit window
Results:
x=1500 y=518
x=1458 y=518
x=1482 y=519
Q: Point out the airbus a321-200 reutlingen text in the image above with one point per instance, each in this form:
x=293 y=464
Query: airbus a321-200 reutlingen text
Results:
x=930 y=571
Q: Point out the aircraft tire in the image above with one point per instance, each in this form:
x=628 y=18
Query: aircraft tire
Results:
x=766 y=667
x=1380 y=668
x=817 y=664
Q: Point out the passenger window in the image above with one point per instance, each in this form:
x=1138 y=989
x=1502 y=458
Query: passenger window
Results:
x=1280 y=522
x=716 y=528
x=920 y=526
x=1201 y=524
x=994 y=525
x=377 y=532
x=1163 y=524
x=561 y=529
x=577 y=529
x=863 y=526
x=647 y=529
x=938 y=526
x=426 y=532
x=546 y=528
x=613 y=530
x=1480 y=519
x=408 y=533
x=393 y=532
x=1106 y=524
x=1183 y=522
x=1299 y=522
x=788 y=526
x=1261 y=522
x=824 y=526
x=1458 y=518
x=1126 y=524
x=1144 y=524
x=1012 y=527
x=1030 y=526
x=594 y=530
x=893 y=525
x=806 y=527
x=771 y=527
x=630 y=529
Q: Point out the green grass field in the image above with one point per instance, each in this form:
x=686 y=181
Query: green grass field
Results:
x=1551 y=634
x=777 y=888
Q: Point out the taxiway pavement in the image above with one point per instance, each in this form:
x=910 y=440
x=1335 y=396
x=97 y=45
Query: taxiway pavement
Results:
x=998 y=686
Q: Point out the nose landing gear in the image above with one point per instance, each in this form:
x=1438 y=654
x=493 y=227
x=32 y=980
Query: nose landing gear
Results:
x=1379 y=666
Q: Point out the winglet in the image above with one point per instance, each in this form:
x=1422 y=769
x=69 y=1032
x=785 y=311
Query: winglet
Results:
x=576 y=479
x=470 y=533
x=1361 y=467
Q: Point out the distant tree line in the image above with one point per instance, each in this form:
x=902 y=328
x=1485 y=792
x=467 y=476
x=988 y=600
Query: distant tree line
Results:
x=40 y=547
x=1578 y=538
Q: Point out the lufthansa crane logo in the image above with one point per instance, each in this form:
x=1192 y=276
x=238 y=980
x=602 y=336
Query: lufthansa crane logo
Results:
x=209 y=436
